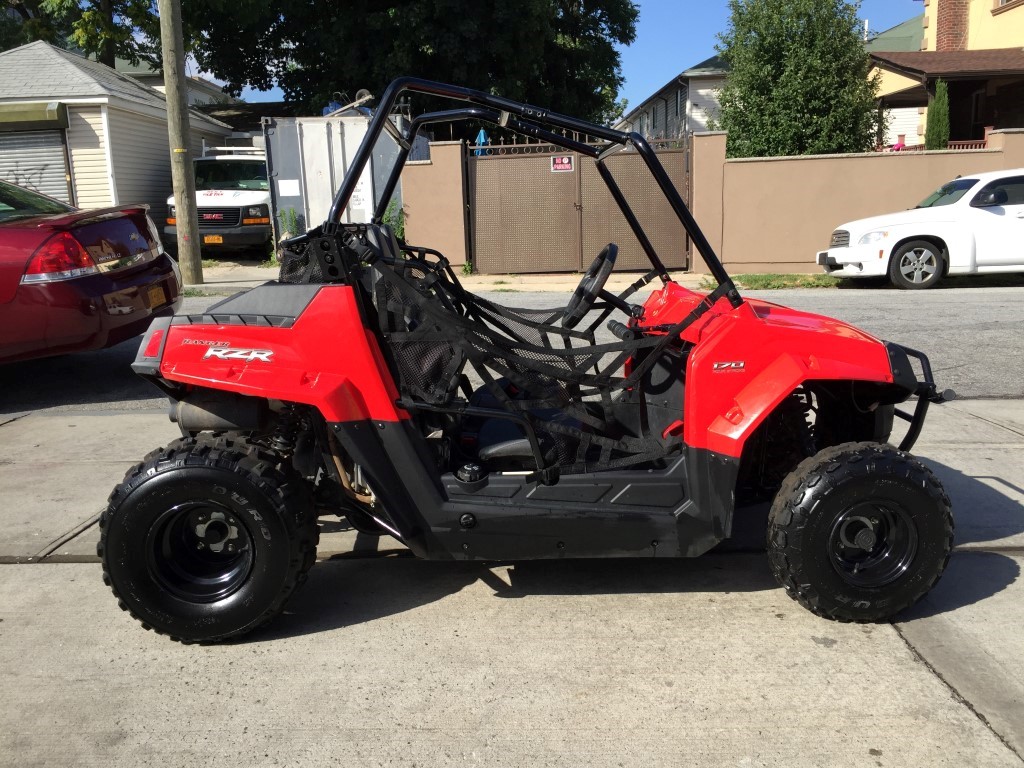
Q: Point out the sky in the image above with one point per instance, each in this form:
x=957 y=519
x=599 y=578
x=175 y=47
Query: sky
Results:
x=673 y=35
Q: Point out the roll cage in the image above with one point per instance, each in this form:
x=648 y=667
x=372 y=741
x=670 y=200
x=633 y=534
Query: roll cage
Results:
x=535 y=122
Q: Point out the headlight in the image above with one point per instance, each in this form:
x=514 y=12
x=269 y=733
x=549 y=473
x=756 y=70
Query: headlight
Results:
x=874 y=237
x=256 y=214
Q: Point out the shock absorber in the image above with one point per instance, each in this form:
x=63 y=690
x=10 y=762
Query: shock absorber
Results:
x=286 y=432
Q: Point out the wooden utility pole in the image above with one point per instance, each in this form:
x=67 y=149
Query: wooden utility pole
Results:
x=178 y=133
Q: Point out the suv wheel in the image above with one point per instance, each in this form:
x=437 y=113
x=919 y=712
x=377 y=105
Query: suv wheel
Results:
x=916 y=265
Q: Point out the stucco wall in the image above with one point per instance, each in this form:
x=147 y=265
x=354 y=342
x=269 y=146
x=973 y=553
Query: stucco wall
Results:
x=434 y=199
x=987 y=25
x=775 y=214
x=1002 y=29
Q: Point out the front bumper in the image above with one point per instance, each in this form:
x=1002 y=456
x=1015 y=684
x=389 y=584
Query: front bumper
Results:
x=231 y=238
x=855 y=261
x=925 y=389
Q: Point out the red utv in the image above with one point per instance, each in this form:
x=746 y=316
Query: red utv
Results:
x=368 y=383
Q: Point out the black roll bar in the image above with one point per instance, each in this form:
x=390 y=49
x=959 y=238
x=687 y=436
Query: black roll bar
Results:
x=524 y=118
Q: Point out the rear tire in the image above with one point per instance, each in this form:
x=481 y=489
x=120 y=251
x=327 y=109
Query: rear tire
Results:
x=917 y=265
x=204 y=542
x=859 y=532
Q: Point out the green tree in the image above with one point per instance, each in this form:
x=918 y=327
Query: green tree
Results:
x=936 y=131
x=556 y=53
x=559 y=54
x=105 y=29
x=798 y=81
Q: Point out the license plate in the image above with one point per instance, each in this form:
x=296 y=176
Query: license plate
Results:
x=213 y=239
x=157 y=297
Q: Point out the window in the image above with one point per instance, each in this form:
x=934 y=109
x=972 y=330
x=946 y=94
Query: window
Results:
x=231 y=174
x=21 y=203
x=1009 y=191
x=948 y=194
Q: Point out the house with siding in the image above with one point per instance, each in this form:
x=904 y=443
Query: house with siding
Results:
x=902 y=124
x=685 y=104
x=975 y=47
x=689 y=101
x=79 y=131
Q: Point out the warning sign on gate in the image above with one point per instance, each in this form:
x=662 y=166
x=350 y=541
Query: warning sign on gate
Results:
x=561 y=164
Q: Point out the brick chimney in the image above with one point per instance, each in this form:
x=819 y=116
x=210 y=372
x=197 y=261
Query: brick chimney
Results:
x=951 y=25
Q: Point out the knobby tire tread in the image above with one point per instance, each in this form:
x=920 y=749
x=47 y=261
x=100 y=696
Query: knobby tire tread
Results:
x=238 y=456
x=790 y=513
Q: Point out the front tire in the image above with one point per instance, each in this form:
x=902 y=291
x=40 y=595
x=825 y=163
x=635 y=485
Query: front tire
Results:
x=917 y=265
x=204 y=542
x=859 y=532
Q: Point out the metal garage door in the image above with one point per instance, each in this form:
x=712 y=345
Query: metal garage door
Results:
x=37 y=160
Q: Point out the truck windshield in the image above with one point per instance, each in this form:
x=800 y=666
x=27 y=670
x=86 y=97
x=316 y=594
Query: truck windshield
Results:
x=948 y=194
x=231 y=174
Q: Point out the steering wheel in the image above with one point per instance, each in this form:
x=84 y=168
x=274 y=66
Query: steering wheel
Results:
x=590 y=286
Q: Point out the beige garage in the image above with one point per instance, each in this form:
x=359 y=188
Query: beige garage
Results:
x=79 y=131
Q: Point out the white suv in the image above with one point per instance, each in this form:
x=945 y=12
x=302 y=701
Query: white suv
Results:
x=972 y=225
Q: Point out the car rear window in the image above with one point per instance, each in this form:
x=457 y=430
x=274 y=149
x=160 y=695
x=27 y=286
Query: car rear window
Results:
x=20 y=203
x=948 y=193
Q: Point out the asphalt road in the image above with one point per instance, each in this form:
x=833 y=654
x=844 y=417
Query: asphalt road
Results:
x=973 y=337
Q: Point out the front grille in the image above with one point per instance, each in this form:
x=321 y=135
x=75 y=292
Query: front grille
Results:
x=219 y=217
x=840 y=239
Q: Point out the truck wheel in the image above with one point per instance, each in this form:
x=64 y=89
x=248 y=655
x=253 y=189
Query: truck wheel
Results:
x=859 y=532
x=203 y=543
x=916 y=265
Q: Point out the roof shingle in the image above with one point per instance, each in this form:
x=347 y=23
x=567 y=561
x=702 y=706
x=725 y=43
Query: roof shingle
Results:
x=954 y=64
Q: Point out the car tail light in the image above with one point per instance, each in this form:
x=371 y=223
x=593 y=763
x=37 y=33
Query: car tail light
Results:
x=61 y=257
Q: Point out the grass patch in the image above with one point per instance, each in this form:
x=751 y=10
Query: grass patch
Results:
x=193 y=293
x=211 y=263
x=271 y=263
x=757 y=282
x=505 y=290
x=501 y=282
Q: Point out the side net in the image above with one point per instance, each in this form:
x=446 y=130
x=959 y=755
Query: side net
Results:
x=585 y=411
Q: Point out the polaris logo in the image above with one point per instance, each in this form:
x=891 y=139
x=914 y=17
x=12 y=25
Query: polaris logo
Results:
x=731 y=366
x=245 y=355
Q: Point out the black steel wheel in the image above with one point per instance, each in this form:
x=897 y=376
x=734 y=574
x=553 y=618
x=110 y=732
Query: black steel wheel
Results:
x=917 y=265
x=204 y=541
x=859 y=532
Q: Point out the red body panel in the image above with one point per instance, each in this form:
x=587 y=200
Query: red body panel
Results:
x=747 y=360
x=326 y=359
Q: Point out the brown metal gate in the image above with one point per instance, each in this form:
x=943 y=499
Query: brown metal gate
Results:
x=525 y=217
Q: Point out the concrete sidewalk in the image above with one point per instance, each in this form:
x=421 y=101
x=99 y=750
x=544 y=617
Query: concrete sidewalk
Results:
x=232 y=276
x=385 y=660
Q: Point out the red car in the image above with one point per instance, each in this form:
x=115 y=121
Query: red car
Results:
x=73 y=280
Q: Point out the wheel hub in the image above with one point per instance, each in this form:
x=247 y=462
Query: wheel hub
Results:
x=918 y=266
x=873 y=544
x=200 y=551
x=216 y=532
